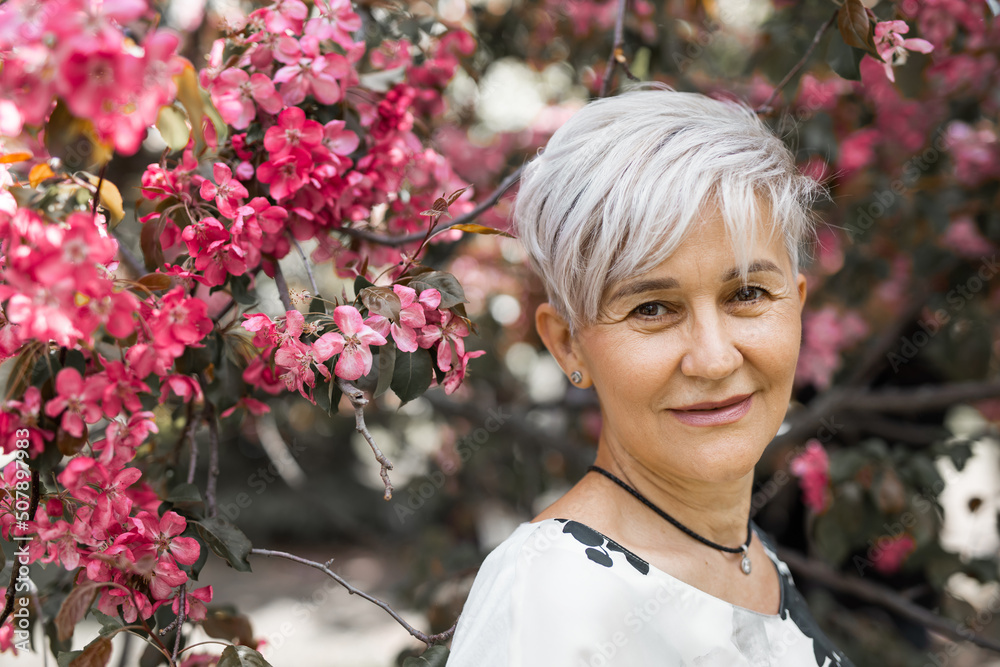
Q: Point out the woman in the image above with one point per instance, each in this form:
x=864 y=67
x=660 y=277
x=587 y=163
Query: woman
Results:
x=666 y=227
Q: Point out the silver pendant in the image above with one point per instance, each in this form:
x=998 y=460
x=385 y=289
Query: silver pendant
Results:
x=745 y=563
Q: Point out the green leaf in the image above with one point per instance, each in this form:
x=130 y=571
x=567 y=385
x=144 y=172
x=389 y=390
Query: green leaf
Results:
x=65 y=659
x=239 y=287
x=843 y=59
x=451 y=290
x=856 y=27
x=242 y=656
x=386 y=368
x=184 y=494
x=227 y=541
x=435 y=656
x=361 y=283
x=109 y=624
x=173 y=126
x=381 y=301
x=411 y=375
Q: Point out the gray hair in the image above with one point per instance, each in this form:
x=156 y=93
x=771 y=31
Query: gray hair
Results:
x=622 y=182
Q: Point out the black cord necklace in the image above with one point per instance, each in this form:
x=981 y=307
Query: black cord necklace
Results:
x=745 y=548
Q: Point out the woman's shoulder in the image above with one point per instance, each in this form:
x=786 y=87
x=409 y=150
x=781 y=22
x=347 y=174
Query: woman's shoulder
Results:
x=545 y=593
x=564 y=547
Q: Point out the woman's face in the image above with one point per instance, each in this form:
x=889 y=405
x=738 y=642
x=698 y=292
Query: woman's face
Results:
x=689 y=332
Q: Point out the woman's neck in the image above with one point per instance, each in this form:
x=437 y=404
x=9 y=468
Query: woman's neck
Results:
x=717 y=511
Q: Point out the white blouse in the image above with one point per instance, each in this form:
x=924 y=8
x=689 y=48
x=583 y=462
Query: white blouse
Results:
x=559 y=594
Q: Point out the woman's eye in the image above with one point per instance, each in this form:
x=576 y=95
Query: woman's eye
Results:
x=750 y=293
x=651 y=309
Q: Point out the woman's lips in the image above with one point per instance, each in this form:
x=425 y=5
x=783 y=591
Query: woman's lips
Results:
x=716 y=417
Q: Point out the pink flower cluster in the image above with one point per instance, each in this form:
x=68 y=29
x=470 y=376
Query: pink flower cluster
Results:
x=421 y=325
x=76 y=50
x=826 y=333
x=57 y=283
x=812 y=467
x=893 y=48
x=114 y=534
x=280 y=59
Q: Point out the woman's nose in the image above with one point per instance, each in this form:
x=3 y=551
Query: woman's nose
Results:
x=711 y=349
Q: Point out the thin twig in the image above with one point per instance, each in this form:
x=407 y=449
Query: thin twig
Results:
x=324 y=567
x=305 y=262
x=180 y=624
x=188 y=436
x=880 y=595
x=619 y=42
x=766 y=106
x=403 y=239
x=358 y=400
x=213 y=458
x=279 y=280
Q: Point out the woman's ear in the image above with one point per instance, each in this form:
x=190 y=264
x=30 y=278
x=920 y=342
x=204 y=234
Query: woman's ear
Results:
x=801 y=283
x=555 y=333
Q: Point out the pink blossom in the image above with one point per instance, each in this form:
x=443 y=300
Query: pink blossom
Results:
x=825 y=334
x=226 y=190
x=194 y=603
x=812 y=467
x=454 y=377
x=336 y=21
x=890 y=553
x=122 y=388
x=285 y=174
x=297 y=360
x=293 y=130
x=237 y=95
x=77 y=400
x=184 y=387
x=163 y=534
x=313 y=74
x=893 y=48
x=411 y=318
x=338 y=140
x=356 y=358
x=448 y=336
x=964 y=238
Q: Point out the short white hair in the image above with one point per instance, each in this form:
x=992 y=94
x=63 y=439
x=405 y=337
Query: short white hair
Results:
x=620 y=185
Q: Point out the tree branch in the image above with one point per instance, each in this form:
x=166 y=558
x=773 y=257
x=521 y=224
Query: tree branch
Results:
x=925 y=397
x=880 y=595
x=616 y=46
x=358 y=400
x=766 y=106
x=180 y=624
x=213 y=458
x=188 y=436
x=403 y=239
x=325 y=568
x=305 y=262
x=279 y=280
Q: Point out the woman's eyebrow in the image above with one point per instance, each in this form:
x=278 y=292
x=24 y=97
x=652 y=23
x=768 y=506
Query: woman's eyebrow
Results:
x=655 y=284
